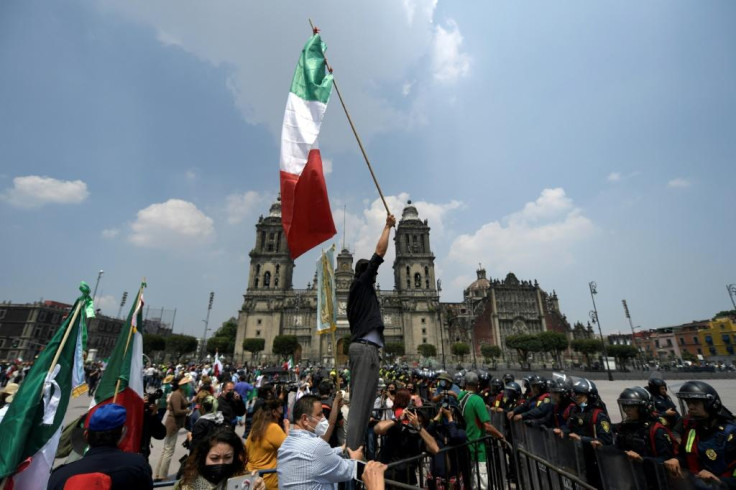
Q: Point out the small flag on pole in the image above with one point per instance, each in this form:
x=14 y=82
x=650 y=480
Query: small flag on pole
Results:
x=326 y=311
x=217 y=367
x=122 y=380
x=31 y=429
x=305 y=208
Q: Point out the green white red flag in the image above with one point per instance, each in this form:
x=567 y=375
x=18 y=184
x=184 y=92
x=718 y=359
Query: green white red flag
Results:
x=122 y=380
x=305 y=207
x=31 y=428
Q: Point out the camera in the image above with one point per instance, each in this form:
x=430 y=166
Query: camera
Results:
x=154 y=397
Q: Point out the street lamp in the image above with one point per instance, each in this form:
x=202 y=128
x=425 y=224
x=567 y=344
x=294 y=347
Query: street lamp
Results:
x=469 y=326
x=439 y=314
x=633 y=334
x=99 y=275
x=206 y=324
x=732 y=293
x=594 y=316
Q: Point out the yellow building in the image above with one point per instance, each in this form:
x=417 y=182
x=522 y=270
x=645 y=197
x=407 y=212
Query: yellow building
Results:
x=719 y=338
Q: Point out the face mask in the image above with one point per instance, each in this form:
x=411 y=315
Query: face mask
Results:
x=393 y=392
x=582 y=405
x=215 y=473
x=321 y=428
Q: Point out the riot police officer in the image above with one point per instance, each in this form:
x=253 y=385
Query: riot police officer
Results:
x=560 y=393
x=640 y=434
x=539 y=405
x=496 y=393
x=708 y=449
x=663 y=405
x=589 y=421
x=510 y=399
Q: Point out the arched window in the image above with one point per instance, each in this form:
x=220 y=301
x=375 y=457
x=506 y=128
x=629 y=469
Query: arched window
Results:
x=276 y=281
x=408 y=282
x=417 y=280
x=426 y=282
x=267 y=280
x=255 y=283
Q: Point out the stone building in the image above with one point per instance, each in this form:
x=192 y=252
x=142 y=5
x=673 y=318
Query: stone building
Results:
x=272 y=306
x=25 y=329
x=494 y=309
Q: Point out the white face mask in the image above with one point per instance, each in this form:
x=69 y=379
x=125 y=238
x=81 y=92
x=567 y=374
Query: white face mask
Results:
x=321 y=428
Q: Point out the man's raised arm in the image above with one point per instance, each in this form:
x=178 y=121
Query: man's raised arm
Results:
x=382 y=245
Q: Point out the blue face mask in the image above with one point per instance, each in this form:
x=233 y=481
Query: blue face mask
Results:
x=582 y=405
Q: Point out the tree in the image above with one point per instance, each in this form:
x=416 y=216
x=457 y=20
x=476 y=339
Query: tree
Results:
x=587 y=347
x=254 y=345
x=395 y=349
x=285 y=345
x=622 y=353
x=688 y=356
x=725 y=313
x=555 y=342
x=524 y=344
x=180 y=345
x=490 y=353
x=224 y=339
x=153 y=343
x=460 y=349
x=427 y=350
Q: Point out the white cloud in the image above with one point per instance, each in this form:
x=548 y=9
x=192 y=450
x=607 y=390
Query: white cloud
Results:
x=365 y=62
x=110 y=233
x=33 y=191
x=614 y=177
x=448 y=63
x=679 y=183
x=240 y=206
x=327 y=166
x=406 y=89
x=172 y=224
x=190 y=175
x=423 y=7
x=543 y=233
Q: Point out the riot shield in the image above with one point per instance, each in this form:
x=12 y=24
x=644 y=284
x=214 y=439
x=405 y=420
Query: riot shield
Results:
x=617 y=472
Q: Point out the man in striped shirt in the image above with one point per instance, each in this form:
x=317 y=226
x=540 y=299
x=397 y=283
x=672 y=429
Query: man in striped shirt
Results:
x=305 y=461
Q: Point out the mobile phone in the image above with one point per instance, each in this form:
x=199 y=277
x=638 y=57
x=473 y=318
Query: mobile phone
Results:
x=243 y=482
x=359 y=470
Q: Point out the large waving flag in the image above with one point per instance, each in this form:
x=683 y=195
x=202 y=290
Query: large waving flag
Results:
x=326 y=311
x=305 y=208
x=30 y=430
x=217 y=366
x=122 y=380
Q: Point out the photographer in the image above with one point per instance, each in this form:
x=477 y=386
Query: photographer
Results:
x=449 y=469
x=447 y=392
x=406 y=437
x=152 y=426
x=230 y=404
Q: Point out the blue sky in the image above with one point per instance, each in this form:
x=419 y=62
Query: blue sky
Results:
x=566 y=142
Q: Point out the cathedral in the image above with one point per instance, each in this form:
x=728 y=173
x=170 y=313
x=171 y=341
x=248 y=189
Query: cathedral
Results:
x=412 y=312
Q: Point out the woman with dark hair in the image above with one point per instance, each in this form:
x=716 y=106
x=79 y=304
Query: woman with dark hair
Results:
x=213 y=461
x=264 y=440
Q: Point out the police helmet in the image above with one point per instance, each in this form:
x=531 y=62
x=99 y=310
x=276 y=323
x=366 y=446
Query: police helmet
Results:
x=637 y=397
x=584 y=386
x=655 y=384
x=508 y=378
x=496 y=385
x=700 y=390
x=539 y=382
x=513 y=390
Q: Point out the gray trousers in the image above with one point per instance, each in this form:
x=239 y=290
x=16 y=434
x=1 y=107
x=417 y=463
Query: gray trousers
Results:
x=364 y=365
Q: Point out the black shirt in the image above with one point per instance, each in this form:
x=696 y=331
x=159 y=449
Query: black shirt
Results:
x=364 y=312
x=126 y=470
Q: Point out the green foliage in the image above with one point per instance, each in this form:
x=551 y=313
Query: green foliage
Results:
x=224 y=339
x=153 y=343
x=460 y=349
x=490 y=352
x=395 y=349
x=254 y=344
x=524 y=344
x=285 y=345
x=587 y=347
x=688 y=356
x=726 y=313
x=427 y=350
x=180 y=345
x=622 y=353
x=554 y=342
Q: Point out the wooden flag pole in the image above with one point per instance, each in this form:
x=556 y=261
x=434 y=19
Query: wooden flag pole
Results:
x=355 y=131
x=130 y=335
x=64 y=339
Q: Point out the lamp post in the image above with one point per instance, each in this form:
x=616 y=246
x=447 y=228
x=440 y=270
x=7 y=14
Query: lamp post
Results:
x=732 y=293
x=594 y=316
x=439 y=314
x=633 y=334
x=206 y=325
x=99 y=275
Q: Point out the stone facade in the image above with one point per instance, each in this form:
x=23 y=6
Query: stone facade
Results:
x=271 y=306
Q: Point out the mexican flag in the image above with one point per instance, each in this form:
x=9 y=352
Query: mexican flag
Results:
x=305 y=208
x=217 y=367
x=30 y=430
x=125 y=366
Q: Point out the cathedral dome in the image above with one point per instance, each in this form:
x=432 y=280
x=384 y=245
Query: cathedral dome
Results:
x=275 y=211
x=480 y=284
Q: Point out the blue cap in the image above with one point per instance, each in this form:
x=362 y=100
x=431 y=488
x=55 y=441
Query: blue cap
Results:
x=107 y=417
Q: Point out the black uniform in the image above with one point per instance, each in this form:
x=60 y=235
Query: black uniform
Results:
x=649 y=439
x=126 y=470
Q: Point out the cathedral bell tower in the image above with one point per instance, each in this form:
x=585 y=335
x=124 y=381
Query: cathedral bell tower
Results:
x=271 y=267
x=414 y=263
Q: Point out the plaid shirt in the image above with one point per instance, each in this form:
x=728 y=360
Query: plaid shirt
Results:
x=306 y=462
